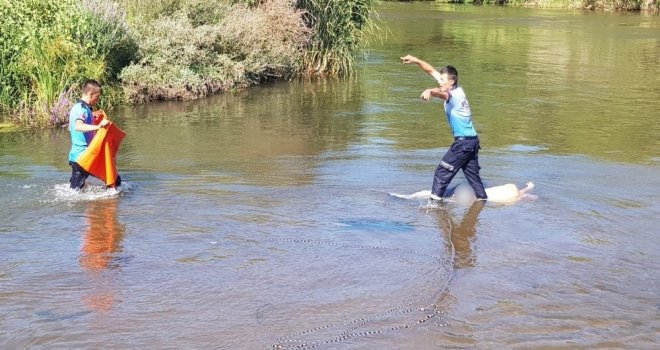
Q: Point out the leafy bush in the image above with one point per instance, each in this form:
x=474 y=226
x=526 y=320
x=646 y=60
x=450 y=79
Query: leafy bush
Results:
x=183 y=57
x=51 y=67
x=166 y=49
x=104 y=31
x=176 y=62
x=268 y=40
x=48 y=47
x=24 y=27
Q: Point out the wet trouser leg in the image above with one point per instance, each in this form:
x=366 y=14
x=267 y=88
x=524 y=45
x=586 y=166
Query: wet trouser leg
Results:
x=461 y=155
x=471 y=171
x=78 y=176
x=443 y=175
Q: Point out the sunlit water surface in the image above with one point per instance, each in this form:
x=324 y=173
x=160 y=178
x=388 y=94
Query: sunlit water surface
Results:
x=264 y=219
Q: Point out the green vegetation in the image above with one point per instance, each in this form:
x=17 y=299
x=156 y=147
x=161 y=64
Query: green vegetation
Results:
x=145 y=50
x=189 y=49
x=8 y=127
x=48 y=47
x=340 y=29
x=166 y=49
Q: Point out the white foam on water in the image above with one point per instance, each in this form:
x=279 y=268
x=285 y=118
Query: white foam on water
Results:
x=421 y=195
x=63 y=193
x=424 y=198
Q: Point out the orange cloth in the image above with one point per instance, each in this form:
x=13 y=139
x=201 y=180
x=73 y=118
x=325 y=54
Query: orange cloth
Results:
x=100 y=158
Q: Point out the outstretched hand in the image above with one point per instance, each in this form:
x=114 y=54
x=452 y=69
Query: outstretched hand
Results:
x=407 y=59
x=426 y=95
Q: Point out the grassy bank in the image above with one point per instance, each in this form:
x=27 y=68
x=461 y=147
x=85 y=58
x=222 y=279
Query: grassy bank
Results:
x=48 y=46
x=8 y=127
x=150 y=50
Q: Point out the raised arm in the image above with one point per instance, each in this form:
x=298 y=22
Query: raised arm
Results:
x=408 y=59
x=440 y=92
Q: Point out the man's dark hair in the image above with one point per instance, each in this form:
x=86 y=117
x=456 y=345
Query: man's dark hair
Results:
x=90 y=85
x=452 y=73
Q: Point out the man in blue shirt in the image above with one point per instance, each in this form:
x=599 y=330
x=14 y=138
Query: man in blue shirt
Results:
x=82 y=129
x=463 y=153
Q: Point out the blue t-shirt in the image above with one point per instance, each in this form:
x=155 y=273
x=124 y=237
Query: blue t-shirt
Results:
x=80 y=140
x=458 y=113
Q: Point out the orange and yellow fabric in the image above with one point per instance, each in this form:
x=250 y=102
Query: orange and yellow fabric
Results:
x=100 y=158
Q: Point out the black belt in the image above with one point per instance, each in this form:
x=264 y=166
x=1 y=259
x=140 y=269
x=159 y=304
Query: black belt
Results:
x=465 y=138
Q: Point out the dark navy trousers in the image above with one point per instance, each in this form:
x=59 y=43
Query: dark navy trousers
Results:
x=79 y=175
x=462 y=155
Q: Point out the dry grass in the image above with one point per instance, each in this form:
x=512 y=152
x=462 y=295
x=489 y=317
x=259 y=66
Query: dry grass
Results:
x=181 y=58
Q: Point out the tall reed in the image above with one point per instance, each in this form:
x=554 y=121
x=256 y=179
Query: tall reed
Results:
x=341 y=29
x=53 y=67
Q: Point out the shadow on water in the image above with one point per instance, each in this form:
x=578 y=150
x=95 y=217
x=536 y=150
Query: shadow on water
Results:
x=377 y=225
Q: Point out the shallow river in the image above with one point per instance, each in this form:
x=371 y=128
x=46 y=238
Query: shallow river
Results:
x=266 y=218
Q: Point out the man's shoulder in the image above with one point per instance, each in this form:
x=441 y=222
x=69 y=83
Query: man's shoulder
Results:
x=77 y=111
x=458 y=94
x=458 y=91
x=77 y=107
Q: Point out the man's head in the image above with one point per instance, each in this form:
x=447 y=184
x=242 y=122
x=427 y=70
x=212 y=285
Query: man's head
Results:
x=448 y=78
x=91 y=92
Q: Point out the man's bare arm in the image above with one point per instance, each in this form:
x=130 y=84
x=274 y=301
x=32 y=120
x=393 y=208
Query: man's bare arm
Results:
x=437 y=92
x=81 y=126
x=408 y=59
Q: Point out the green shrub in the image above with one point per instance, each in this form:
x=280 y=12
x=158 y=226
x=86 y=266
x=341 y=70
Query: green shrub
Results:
x=268 y=40
x=181 y=57
x=340 y=32
x=25 y=25
x=104 y=31
x=52 y=67
x=49 y=47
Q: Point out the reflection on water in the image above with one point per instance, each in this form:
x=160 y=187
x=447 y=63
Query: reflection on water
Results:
x=462 y=234
x=103 y=235
x=237 y=137
x=101 y=241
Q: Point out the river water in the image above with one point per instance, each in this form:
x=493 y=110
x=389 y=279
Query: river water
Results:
x=265 y=218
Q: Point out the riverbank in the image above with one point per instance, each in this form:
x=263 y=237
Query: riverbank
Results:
x=182 y=49
x=166 y=49
x=8 y=127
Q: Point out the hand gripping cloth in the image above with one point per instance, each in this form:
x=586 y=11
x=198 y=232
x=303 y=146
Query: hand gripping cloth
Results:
x=100 y=158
